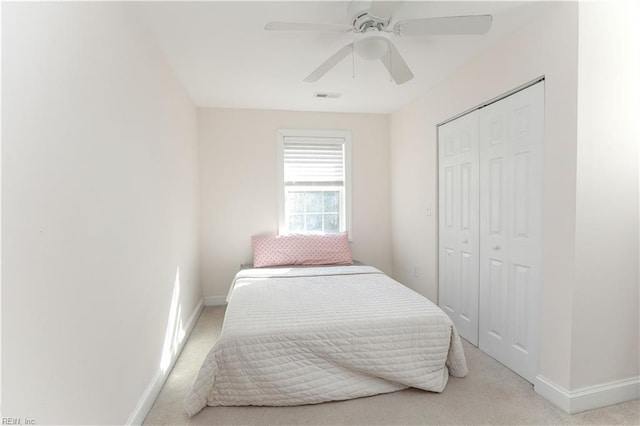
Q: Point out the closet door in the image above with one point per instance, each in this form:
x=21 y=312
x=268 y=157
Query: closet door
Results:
x=459 y=223
x=511 y=135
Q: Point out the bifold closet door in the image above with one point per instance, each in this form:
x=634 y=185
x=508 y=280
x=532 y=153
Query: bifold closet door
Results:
x=511 y=135
x=459 y=223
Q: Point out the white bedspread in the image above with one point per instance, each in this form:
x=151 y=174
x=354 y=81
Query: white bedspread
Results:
x=310 y=335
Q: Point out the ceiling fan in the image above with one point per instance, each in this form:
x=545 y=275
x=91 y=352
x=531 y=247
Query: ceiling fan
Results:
x=372 y=20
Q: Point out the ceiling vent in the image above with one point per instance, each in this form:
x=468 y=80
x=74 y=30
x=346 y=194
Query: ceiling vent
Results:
x=326 y=95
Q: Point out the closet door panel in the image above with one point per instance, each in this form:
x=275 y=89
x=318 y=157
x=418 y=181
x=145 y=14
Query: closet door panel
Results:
x=493 y=275
x=511 y=135
x=458 y=223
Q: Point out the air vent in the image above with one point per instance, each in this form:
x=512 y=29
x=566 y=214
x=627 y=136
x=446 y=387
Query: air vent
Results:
x=326 y=95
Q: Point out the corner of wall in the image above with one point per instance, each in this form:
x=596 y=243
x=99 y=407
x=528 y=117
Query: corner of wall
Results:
x=160 y=377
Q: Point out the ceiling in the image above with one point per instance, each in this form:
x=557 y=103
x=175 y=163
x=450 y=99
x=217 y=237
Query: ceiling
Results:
x=223 y=57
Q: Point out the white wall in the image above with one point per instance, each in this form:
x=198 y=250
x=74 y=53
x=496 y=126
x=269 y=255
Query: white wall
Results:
x=99 y=211
x=589 y=321
x=0 y=225
x=605 y=312
x=239 y=185
x=547 y=46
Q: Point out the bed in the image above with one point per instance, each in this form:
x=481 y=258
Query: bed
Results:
x=306 y=335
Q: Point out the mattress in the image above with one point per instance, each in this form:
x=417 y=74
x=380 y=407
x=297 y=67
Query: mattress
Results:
x=295 y=336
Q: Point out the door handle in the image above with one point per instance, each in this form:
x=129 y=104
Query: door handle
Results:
x=496 y=248
x=465 y=242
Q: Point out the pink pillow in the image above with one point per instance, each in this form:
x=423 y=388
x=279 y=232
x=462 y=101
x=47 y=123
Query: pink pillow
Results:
x=298 y=249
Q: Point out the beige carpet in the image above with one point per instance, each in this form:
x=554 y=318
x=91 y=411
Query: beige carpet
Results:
x=490 y=394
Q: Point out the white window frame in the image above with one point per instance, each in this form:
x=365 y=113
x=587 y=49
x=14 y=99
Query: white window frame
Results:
x=318 y=136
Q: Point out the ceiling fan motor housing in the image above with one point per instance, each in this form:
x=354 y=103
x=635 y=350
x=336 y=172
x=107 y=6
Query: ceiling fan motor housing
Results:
x=363 y=20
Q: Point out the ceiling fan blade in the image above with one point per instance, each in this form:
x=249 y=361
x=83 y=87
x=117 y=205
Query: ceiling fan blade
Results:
x=329 y=63
x=396 y=66
x=384 y=9
x=306 y=26
x=450 y=25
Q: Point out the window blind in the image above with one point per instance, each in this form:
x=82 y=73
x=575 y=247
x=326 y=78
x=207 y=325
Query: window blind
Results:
x=313 y=162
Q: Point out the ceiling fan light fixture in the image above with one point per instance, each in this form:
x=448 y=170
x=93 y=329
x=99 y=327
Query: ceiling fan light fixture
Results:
x=372 y=47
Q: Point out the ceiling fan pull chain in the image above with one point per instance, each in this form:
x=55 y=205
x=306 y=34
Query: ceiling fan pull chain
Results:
x=353 y=59
x=390 y=67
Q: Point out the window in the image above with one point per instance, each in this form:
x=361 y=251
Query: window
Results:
x=314 y=181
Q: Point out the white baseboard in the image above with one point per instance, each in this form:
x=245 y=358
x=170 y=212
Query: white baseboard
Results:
x=155 y=386
x=588 y=398
x=215 y=301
